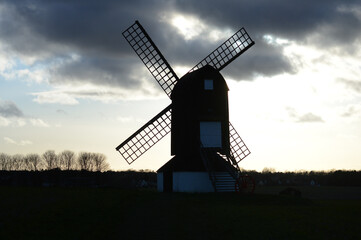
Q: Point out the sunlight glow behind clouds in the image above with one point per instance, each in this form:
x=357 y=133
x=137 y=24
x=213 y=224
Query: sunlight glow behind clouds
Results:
x=356 y=10
x=191 y=27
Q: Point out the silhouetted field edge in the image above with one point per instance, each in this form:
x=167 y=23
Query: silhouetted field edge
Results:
x=148 y=179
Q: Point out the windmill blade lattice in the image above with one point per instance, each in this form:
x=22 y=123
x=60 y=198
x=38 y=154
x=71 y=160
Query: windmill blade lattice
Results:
x=238 y=148
x=237 y=44
x=152 y=58
x=148 y=135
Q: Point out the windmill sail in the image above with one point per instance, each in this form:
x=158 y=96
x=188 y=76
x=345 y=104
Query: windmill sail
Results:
x=233 y=47
x=150 y=55
x=146 y=136
x=238 y=148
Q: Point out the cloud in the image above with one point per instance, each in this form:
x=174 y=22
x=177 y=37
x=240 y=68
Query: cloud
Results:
x=264 y=59
x=309 y=117
x=61 y=111
x=4 y=122
x=351 y=111
x=20 y=122
x=303 y=118
x=11 y=115
x=9 y=109
x=352 y=84
x=73 y=43
x=54 y=97
x=284 y=19
x=72 y=94
x=19 y=143
x=15 y=122
x=100 y=70
x=37 y=122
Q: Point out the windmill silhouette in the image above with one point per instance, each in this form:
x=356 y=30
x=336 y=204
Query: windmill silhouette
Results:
x=205 y=145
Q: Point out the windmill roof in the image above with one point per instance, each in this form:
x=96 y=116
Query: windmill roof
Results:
x=193 y=164
x=194 y=80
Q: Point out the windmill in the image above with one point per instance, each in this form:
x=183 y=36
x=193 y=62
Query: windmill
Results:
x=206 y=148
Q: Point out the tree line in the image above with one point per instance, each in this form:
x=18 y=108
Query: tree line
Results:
x=270 y=177
x=65 y=160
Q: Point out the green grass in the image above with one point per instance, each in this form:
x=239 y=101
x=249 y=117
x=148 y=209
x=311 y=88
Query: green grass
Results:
x=83 y=213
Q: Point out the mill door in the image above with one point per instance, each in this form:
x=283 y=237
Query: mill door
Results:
x=211 y=134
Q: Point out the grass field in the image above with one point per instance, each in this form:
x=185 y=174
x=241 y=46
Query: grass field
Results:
x=325 y=192
x=85 y=213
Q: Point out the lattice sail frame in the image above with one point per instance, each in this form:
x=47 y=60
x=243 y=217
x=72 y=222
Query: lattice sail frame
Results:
x=150 y=55
x=238 y=148
x=228 y=51
x=148 y=135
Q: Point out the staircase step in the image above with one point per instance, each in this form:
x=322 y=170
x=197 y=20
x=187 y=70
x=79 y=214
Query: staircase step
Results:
x=224 y=182
x=221 y=181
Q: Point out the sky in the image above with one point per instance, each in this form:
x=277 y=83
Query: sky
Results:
x=70 y=81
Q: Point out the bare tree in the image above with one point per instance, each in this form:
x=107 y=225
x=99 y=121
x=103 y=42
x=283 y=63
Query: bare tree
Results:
x=85 y=161
x=27 y=164
x=67 y=160
x=268 y=170
x=33 y=162
x=50 y=159
x=5 y=162
x=100 y=163
x=18 y=162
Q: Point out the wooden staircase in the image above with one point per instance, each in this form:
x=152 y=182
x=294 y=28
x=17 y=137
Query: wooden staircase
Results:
x=224 y=181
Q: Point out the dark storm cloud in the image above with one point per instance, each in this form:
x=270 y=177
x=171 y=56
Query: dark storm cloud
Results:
x=92 y=29
x=85 y=25
x=101 y=70
x=262 y=59
x=9 y=109
x=324 y=24
x=286 y=19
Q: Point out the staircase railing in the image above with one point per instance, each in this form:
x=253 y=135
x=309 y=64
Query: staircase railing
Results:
x=204 y=152
x=209 y=156
x=235 y=171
